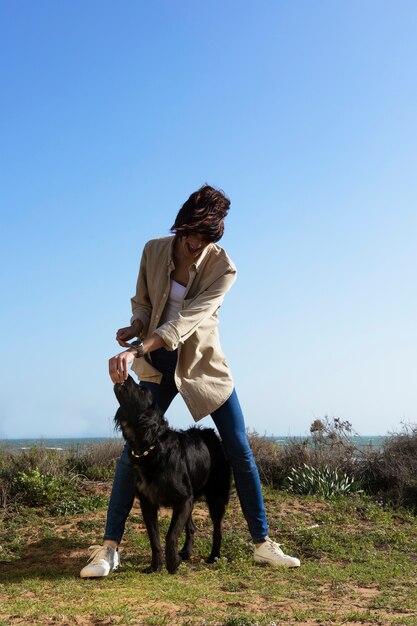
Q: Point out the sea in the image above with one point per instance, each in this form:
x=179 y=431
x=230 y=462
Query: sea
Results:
x=374 y=441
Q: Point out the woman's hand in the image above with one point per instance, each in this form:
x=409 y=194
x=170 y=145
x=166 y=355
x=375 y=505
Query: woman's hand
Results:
x=119 y=365
x=124 y=334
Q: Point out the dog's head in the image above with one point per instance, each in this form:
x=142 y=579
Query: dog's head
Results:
x=135 y=400
x=138 y=416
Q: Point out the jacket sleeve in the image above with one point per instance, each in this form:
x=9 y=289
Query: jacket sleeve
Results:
x=141 y=304
x=196 y=311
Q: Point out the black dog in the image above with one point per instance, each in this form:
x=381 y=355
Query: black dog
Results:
x=172 y=469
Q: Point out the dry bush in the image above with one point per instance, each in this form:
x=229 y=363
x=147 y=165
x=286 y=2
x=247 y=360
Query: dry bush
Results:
x=5 y=481
x=267 y=456
x=96 y=461
x=104 y=452
x=332 y=444
x=5 y=492
x=329 y=446
x=39 y=457
x=391 y=472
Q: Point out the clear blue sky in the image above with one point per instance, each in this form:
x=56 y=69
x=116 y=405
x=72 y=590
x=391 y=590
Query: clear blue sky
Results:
x=112 y=113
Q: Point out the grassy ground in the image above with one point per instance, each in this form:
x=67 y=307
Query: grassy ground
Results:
x=358 y=567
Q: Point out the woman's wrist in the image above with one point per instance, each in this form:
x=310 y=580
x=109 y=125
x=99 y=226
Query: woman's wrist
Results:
x=137 y=327
x=140 y=348
x=137 y=348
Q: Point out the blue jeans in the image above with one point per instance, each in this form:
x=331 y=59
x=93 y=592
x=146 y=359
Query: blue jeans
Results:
x=230 y=424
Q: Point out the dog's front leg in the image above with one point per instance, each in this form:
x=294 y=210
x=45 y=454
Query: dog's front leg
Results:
x=150 y=517
x=180 y=516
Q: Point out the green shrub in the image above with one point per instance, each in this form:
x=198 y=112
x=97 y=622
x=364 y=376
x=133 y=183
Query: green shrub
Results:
x=75 y=506
x=324 y=482
x=35 y=489
x=54 y=478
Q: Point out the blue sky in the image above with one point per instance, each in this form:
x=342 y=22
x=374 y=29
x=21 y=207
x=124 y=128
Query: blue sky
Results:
x=112 y=113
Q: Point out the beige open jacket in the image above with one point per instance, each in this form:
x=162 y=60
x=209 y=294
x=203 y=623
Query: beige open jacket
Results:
x=202 y=375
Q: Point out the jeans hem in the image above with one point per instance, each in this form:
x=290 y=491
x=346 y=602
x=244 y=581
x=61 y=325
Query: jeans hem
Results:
x=116 y=539
x=259 y=539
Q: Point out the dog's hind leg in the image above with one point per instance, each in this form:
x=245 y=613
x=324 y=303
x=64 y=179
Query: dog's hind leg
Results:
x=180 y=516
x=150 y=517
x=217 y=507
x=185 y=553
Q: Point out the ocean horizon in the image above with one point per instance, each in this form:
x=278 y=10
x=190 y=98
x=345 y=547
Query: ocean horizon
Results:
x=69 y=443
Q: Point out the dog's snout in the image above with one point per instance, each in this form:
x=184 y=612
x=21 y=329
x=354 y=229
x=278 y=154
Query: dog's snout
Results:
x=118 y=387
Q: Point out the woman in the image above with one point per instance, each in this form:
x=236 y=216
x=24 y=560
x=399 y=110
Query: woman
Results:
x=182 y=283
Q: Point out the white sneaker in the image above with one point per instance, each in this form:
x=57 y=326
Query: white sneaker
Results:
x=102 y=561
x=270 y=552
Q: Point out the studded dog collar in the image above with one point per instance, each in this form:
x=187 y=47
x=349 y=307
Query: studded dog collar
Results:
x=139 y=456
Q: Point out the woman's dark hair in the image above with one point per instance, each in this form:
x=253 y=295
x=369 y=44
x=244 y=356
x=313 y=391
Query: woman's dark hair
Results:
x=203 y=214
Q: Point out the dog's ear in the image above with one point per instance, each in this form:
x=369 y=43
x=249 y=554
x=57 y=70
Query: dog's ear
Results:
x=117 y=419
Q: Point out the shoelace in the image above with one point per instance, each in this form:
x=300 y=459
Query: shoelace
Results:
x=275 y=547
x=95 y=551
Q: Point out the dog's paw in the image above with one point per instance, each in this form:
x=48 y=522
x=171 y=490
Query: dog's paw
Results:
x=213 y=556
x=155 y=566
x=173 y=564
x=184 y=555
x=151 y=569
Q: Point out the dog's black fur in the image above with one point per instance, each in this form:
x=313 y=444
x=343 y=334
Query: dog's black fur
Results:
x=182 y=467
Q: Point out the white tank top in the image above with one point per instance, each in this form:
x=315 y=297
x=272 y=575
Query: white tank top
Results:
x=174 y=302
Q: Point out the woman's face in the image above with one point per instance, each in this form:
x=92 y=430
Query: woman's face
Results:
x=192 y=245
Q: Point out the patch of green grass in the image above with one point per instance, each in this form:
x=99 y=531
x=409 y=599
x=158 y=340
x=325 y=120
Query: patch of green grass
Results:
x=358 y=564
x=241 y=620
